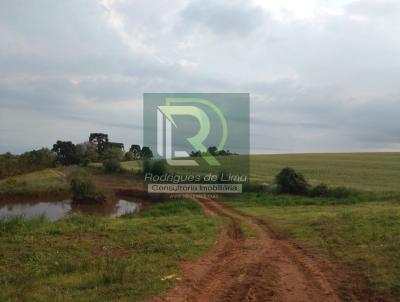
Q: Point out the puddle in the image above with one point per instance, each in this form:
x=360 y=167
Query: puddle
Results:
x=55 y=210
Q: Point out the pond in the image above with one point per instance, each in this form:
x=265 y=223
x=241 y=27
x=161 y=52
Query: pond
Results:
x=55 y=210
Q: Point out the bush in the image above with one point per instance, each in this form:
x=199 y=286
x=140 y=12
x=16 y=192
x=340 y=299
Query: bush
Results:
x=340 y=192
x=290 y=182
x=112 y=159
x=159 y=167
x=253 y=187
x=112 y=165
x=155 y=167
x=320 y=190
x=82 y=186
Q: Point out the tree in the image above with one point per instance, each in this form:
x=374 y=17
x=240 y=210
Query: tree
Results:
x=100 y=140
x=212 y=150
x=135 y=149
x=195 y=154
x=65 y=153
x=128 y=156
x=87 y=152
x=146 y=152
x=291 y=182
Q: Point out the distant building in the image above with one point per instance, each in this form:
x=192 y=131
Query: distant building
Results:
x=116 y=145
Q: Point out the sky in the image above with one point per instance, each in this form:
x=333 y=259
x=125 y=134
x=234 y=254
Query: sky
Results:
x=323 y=75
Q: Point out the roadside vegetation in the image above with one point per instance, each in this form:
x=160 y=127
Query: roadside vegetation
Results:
x=82 y=258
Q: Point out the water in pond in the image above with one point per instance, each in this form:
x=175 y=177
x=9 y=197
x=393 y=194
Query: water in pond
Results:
x=55 y=210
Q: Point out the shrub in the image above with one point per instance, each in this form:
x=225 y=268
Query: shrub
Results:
x=112 y=165
x=253 y=187
x=112 y=159
x=340 y=192
x=159 y=167
x=320 y=190
x=82 y=186
x=155 y=167
x=147 y=166
x=291 y=182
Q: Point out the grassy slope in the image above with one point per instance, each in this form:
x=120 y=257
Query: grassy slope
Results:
x=39 y=181
x=91 y=259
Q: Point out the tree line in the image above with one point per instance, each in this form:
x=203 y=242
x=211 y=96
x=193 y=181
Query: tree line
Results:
x=213 y=151
x=11 y=165
x=97 y=149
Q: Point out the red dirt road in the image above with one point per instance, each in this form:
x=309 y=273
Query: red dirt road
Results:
x=263 y=268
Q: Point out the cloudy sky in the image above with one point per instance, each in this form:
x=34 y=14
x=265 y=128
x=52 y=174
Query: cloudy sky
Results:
x=323 y=74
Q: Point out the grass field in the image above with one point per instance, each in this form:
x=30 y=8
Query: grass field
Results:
x=82 y=258
x=377 y=172
x=363 y=171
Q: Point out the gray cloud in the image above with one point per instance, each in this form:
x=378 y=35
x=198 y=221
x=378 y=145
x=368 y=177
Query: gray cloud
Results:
x=326 y=81
x=237 y=17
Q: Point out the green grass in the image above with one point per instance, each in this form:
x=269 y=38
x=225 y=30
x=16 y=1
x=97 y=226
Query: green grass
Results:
x=363 y=171
x=132 y=166
x=374 y=172
x=361 y=230
x=82 y=258
x=365 y=235
x=39 y=181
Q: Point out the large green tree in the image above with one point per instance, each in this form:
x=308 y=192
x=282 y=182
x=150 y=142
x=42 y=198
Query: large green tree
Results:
x=136 y=152
x=65 y=153
x=100 y=140
x=146 y=152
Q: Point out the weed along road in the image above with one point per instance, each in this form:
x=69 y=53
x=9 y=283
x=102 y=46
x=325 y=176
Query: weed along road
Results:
x=262 y=267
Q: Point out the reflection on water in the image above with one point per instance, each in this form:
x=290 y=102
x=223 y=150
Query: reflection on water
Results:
x=55 y=210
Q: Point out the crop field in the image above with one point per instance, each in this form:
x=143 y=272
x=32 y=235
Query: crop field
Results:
x=363 y=171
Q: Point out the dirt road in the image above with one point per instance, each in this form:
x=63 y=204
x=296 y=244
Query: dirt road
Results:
x=263 y=268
